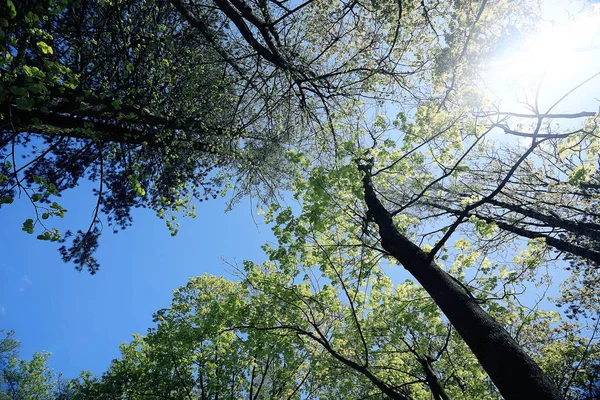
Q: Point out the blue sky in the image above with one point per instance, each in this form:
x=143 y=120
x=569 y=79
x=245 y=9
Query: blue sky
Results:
x=81 y=319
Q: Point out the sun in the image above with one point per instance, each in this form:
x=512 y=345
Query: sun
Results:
x=560 y=54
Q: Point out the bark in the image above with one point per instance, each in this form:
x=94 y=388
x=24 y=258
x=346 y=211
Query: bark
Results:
x=68 y=114
x=558 y=244
x=146 y=130
x=438 y=391
x=513 y=372
x=238 y=15
x=208 y=35
x=581 y=228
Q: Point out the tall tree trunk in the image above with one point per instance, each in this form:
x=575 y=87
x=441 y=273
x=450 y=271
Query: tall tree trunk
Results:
x=513 y=372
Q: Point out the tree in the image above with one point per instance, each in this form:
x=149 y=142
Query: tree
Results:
x=437 y=138
x=193 y=353
x=347 y=338
x=333 y=201
x=413 y=180
x=126 y=95
x=21 y=379
x=150 y=100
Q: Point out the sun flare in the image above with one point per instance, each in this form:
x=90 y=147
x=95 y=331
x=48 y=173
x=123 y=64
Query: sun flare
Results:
x=562 y=52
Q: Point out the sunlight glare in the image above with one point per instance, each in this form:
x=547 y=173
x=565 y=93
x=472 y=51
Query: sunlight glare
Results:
x=562 y=52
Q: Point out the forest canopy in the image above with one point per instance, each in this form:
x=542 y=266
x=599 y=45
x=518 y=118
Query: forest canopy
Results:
x=377 y=120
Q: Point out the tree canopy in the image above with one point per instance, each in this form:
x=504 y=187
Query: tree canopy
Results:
x=348 y=338
x=374 y=116
x=21 y=379
x=162 y=103
x=129 y=96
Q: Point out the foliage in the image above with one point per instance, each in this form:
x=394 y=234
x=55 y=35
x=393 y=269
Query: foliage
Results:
x=21 y=379
x=124 y=94
x=325 y=338
x=149 y=100
x=374 y=114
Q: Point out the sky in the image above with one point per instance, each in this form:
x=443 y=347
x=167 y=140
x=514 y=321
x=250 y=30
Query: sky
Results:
x=564 y=52
x=82 y=319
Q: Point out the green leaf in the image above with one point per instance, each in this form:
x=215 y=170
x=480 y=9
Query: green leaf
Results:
x=28 y=226
x=116 y=103
x=24 y=103
x=45 y=48
x=36 y=88
x=33 y=72
x=12 y=11
x=32 y=18
x=579 y=175
x=18 y=91
x=6 y=200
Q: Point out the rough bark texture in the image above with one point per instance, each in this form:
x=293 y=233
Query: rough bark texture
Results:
x=513 y=372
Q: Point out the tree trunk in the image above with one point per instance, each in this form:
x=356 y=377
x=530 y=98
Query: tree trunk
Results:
x=438 y=391
x=513 y=372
